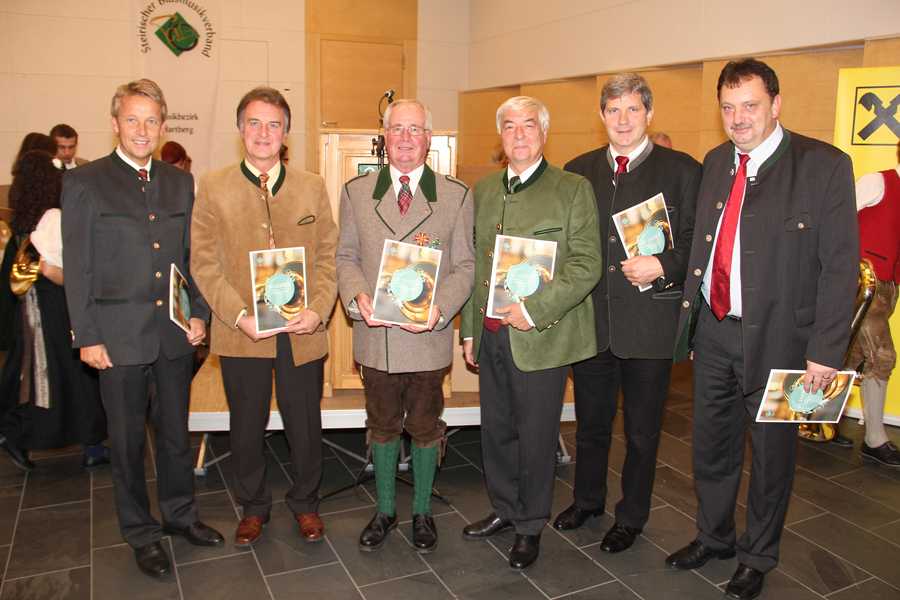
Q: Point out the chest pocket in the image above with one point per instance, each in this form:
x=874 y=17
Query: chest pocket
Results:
x=798 y=222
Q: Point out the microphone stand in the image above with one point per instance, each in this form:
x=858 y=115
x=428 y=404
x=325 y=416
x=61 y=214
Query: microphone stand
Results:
x=378 y=143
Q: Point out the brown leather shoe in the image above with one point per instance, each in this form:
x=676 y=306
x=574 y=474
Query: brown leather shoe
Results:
x=250 y=530
x=311 y=528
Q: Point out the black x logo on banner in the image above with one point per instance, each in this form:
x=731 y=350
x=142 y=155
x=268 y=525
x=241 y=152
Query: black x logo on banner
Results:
x=883 y=115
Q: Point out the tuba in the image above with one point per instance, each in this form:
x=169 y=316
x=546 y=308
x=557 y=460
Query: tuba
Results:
x=823 y=432
x=25 y=268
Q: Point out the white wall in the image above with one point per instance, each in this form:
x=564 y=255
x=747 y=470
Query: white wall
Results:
x=517 y=41
x=443 y=64
x=61 y=61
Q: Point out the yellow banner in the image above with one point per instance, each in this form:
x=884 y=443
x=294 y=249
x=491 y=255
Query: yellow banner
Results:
x=867 y=127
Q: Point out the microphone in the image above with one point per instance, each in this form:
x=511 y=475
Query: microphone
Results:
x=389 y=94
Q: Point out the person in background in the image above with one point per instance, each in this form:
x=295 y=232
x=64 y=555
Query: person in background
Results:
x=48 y=397
x=498 y=156
x=661 y=139
x=66 y=139
x=283 y=155
x=35 y=141
x=878 y=203
x=174 y=154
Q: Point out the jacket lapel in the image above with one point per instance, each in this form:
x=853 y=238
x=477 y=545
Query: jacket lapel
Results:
x=389 y=210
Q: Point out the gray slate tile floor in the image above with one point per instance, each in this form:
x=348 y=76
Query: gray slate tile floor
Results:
x=59 y=536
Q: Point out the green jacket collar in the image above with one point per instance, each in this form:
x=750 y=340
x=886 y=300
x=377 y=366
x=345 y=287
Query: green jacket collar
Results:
x=528 y=182
x=427 y=183
x=255 y=180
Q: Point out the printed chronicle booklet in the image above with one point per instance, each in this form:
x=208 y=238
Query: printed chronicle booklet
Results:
x=522 y=267
x=645 y=229
x=785 y=400
x=279 y=286
x=407 y=279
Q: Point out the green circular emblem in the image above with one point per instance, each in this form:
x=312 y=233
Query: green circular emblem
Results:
x=185 y=300
x=279 y=289
x=802 y=401
x=522 y=280
x=651 y=241
x=406 y=285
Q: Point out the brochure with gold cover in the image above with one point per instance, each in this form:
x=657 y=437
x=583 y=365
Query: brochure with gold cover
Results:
x=522 y=267
x=279 y=286
x=785 y=400
x=179 y=299
x=645 y=229
x=406 y=283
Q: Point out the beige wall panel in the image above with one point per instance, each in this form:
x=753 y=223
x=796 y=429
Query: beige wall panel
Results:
x=362 y=18
x=709 y=140
x=478 y=148
x=572 y=104
x=478 y=110
x=444 y=106
x=563 y=147
x=66 y=50
x=95 y=9
x=675 y=94
x=882 y=53
x=470 y=175
x=710 y=119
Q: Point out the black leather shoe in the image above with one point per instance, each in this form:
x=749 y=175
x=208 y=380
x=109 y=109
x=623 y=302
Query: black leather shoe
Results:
x=15 y=454
x=746 y=583
x=695 y=555
x=619 y=538
x=840 y=439
x=886 y=454
x=198 y=534
x=485 y=528
x=152 y=560
x=574 y=517
x=375 y=533
x=424 y=533
x=89 y=462
x=525 y=551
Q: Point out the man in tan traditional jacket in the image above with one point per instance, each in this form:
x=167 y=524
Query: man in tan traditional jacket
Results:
x=403 y=365
x=260 y=204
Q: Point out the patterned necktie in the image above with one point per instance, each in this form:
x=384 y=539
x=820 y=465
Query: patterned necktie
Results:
x=720 y=289
x=622 y=161
x=263 y=180
x=514 y=184
x=405 y=197
x=142 y=174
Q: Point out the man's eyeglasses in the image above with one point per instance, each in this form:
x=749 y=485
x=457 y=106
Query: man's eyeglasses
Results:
x=411 y=130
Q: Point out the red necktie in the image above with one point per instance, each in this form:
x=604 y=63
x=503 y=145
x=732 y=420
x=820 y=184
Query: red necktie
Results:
x=142 y=174
x=621 y=161
x=263 y=180
x=405 y=197
x=720 y=288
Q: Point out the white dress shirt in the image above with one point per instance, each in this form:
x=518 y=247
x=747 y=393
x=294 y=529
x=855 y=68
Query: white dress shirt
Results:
x=870 y=189
x=758 y=156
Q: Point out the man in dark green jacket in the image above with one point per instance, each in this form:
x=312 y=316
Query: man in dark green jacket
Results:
x=525 y=357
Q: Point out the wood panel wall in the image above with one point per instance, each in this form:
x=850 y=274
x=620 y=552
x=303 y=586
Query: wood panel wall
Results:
x=685 y=104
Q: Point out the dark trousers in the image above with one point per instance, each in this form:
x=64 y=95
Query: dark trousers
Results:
x=248 y=388
x=644 y=384
x=721 y=408
x=398 y=401
x=519 y=433
x=126 y=392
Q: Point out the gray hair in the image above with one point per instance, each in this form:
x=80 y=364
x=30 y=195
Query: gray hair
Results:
x=140 y=87
x=520 y=102
x=269 y=96
x=625 y=84
x=395 y=103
